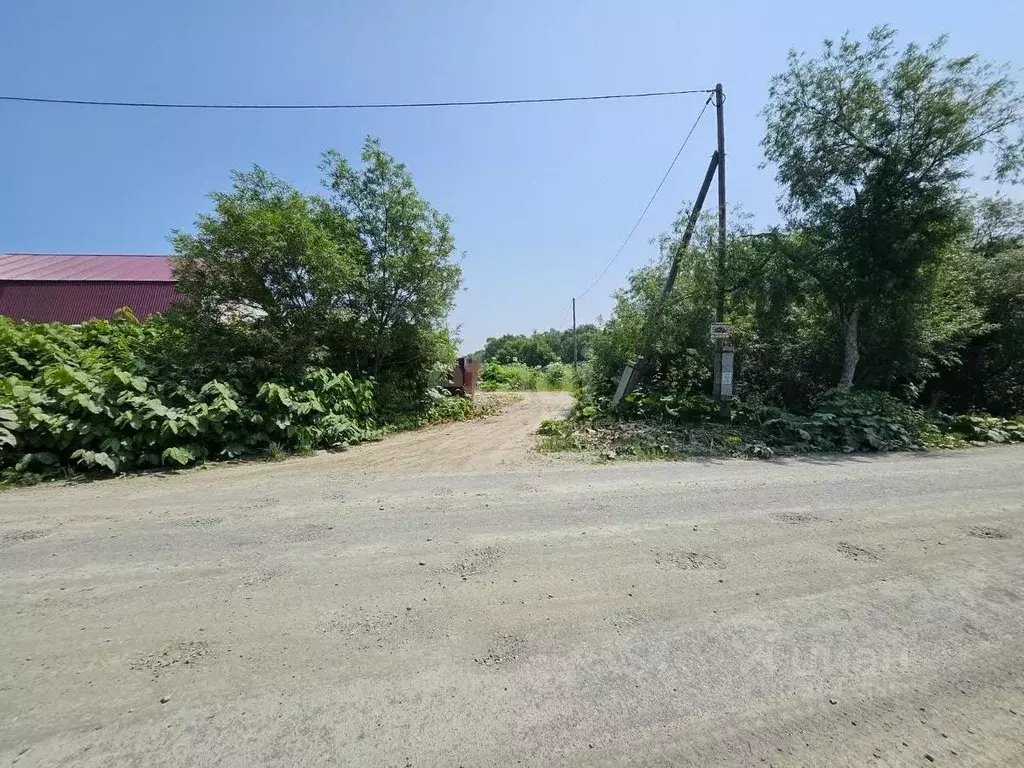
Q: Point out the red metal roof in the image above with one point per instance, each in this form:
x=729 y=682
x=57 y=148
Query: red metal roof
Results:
x=75 y=301
x=54 y=266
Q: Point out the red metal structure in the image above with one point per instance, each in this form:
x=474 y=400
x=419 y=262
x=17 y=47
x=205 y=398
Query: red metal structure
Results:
x=68 y=288
x=465 y=376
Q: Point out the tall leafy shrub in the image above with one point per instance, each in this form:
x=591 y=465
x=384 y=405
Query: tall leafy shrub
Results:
x=101 y=396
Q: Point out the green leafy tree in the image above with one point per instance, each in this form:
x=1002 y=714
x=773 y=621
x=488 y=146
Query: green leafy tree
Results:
x=563 y=344
x=406 y=275
x=870 y=144
x=541 y=347
x=998 y=224
x=784 y=331
x=261 y=282
x=362 y=280
x=680 y=351
x=517 y=348
x=989 y=374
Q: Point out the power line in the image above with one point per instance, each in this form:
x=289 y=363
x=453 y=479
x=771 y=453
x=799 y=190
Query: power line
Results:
x=649 y=202
x=568 y=309
x=406 y=105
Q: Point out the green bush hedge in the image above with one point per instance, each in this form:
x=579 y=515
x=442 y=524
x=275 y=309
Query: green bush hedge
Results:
x=649 y=425
x=675 y=407
x=104 y=396
x=876 y=421
x=843 y=421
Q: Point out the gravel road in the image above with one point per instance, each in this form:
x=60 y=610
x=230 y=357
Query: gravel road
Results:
x=449 y=598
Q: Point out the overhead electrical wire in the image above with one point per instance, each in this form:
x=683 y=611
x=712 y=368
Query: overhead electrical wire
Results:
x=412 y=105
x=565 y=317
x=650 y=202
x=382 y=105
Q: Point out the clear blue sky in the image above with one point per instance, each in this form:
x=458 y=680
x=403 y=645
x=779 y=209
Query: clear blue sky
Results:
x=541 y=195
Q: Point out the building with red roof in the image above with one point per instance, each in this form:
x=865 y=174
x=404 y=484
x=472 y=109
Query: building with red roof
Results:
x=73 y=288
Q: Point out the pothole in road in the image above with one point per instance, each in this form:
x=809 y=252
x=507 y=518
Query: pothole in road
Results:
x=264 y=503
x=475 y=562
x=504 y=650
x=687 y=561
x=257 y=578
x=309 y=532
x=854 y=552
x=366 y=629
x=627 y=620
x=793 y=518
x=361 y=622
x=187 y=654
x=198 y=522
x=987 y=532
x=15 y=537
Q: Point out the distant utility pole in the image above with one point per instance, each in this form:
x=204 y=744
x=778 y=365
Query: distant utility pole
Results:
x=721 y=393
x=575 y=348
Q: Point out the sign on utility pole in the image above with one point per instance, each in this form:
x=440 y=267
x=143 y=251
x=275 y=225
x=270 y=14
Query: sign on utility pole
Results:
x=727 y=357
x=720 y=334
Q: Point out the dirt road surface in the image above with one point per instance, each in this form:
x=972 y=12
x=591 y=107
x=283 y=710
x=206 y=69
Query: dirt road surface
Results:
x=448 y=598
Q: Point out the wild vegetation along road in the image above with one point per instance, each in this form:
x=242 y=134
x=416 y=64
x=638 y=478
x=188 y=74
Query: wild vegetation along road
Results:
x=836 y=611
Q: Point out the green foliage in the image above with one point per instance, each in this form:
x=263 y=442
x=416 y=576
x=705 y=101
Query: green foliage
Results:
x=275 y=452
x=444 y=408
x=274 y=282
x=876 y=421
x=406 y=275
x=610 y=439
x=870 y=145
x=8 y=423
x=843 y=421
x=674 y=407
x=303 y=322
x=448 y=408
x=262 y=281
x=552 y=427
x=677 y=359
x=832 y=119
x=888 y=279
x=542 y=347
x=514 y=376
x=984 y=428
x=974 y=429
x=988 y=373
x=927 y=346
x=998 y=225
x=530 y=351
x=519 y=377
x=99 y=397
x=560 y=435
x=783 y=333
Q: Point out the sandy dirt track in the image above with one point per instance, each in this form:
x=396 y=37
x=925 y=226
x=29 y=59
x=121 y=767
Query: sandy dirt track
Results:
x=407 y=604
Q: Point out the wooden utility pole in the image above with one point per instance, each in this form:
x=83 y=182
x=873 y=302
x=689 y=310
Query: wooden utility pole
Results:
x=634 y=371
x=720 y=278
x=575 y=348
